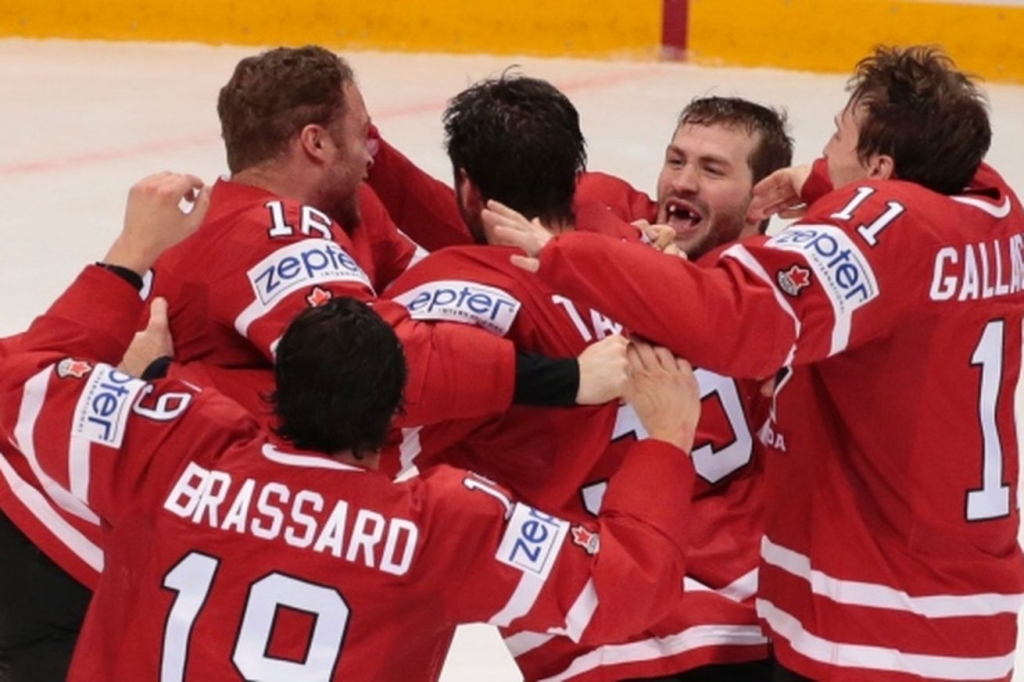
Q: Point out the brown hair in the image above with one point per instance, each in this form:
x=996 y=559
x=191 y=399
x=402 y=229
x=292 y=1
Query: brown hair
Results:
x=774 y=149
x=274 y=95
x=924 y=113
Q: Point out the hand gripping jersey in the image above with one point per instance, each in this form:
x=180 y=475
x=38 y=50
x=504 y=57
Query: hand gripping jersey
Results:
x=546 y=453
x=891 y=533
x=258 y=259
x=233 y=557
x=561 y=460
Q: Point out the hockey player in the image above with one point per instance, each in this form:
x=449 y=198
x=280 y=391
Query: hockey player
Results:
x=892 y=312
x=292 y=228
x=720 y=148
x=237 y=552
x=497 y=132
x=279 y=237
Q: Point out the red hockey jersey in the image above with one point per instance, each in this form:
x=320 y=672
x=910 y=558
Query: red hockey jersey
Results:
x=624 y=200
x=233 y=286
x=891 y=536
x=231 y=555
x=554 y=457
x=258 y=259
x=46 y=511
x=561 y=459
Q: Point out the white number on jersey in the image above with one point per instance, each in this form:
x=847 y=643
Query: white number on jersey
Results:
x=710 y=464
x=714 y=465
x=312 y=221
x=192 y=579
x=992 y=500
x=870 y=231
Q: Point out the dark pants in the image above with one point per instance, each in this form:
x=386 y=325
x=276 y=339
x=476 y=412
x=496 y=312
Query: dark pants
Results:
x=41 y=611
x=783 y=675
x=756 y=671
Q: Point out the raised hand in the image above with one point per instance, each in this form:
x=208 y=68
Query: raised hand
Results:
x=154 y=218
x=779 y=194
x=511 y=228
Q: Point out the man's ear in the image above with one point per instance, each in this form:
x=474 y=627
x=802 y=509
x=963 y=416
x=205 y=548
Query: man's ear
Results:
x=312 y=139
x=881 y=167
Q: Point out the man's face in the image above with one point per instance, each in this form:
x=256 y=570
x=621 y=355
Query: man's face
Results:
x=704 y=186
x=844 y=166
x=349 y=160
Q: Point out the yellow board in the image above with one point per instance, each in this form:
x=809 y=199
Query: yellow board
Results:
x=831 y=35
x=810 y=35
x=539 y=27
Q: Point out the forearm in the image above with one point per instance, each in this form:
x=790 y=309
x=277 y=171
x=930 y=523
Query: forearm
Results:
x=721 y=318
x=455 y=372
x=423 y=208
x=546 y=382
x=94 y=318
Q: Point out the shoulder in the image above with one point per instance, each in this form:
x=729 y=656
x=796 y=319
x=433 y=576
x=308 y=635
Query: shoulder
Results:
x=9 y=345
x=202 y=426
x=899 y=212
x=373 y=213
x=479 y=264
x=600 y=219
x=252 y=215
x=463 y=492
x=625 y=201
x=465 y=284
x=593 y=185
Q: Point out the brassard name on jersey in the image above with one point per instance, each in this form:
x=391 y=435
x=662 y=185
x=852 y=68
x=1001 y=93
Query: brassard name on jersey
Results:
x=532 y=541
x=104 y=406
x=841 y=268
x=305 y=263
x=461 y=301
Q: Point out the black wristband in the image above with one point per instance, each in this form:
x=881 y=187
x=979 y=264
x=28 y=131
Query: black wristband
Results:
x=546 y=382
x=127 y=274
x=157 y=369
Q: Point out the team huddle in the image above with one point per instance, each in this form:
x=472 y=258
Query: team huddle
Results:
x=305 y=427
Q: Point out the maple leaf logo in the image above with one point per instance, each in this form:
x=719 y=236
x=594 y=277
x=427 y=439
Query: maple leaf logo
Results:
x=587 y=539
x=318 y=297
x=70 y=367
x=794 y=280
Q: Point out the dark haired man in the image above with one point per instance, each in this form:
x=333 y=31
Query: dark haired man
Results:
x=720 y=148
x=518 y=139
x=894 y=310
x=292 y=228
x=234 y=553
x=270 y=246
x=294 y=127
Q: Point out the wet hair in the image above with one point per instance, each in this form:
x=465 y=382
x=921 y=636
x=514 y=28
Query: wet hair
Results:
x=519 y=141
x=274 y=95
x=929 y=117
x=774 y=148
x=340 y=374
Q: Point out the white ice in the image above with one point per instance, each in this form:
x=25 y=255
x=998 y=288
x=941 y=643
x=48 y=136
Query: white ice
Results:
x=79 y=122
